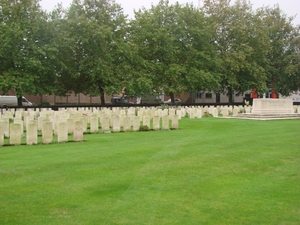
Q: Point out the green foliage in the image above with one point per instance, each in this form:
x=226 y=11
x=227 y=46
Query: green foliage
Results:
x=282 y=67
x=94 y=34
x=144 y=128
x=174 y=42
x=92 y=48
x=241 y=43
x=25 y=49
x=206 y=114
x=45 y=103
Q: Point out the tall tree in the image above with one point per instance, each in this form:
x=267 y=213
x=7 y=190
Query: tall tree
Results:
x=94 y=51
x=175 y=43
x=24 y=55
x=242 y=45
x=282 y=67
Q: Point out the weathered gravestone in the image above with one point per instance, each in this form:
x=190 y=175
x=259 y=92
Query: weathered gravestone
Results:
x=127 y=123
x=156 y=123
x=116 y=124
x=15 y=134
x=5 y=126
x=1 y=133
x=225 y=112
x=31 y=133
x=146 y=121
x=94 y=124
x=165 y=122
x=105 y=124
x=199 y=113
x=136 y=123
x=62 y=131
x=47 y=132
x=70 y=123
x=78 y=130
x=175 y=124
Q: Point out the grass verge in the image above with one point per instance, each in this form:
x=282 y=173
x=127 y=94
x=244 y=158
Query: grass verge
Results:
x=210 y=171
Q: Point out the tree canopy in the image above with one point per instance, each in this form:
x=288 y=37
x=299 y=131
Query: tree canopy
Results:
x=93 y=48
x=25 y=48
x=175 y=43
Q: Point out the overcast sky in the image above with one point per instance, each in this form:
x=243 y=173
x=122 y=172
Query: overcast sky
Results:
x=290 y=7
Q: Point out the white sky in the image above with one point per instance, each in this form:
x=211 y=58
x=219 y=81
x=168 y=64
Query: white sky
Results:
x=290 y=7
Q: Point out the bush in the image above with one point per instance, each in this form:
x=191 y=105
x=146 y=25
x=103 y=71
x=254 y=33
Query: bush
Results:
x=144 y=128
x=44 y=103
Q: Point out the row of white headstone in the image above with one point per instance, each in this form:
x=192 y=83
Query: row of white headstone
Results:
x=72 y=122
x=67 y=123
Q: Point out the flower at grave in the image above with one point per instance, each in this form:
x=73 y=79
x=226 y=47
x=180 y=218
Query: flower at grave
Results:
x=246 y=102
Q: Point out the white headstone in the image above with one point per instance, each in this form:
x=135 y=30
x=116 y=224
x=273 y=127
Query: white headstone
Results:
x=47 y=132
x=94 y=124
x=156 y=122
x=165 y=122
x=19 y=121
x=136 y=123
x=225 y=112
x=15 y=134
x=78 y=130
x=127 y=123
x=62 y=131
x=116 y=124
x=146 y=121
x=5 y=126
x=31 y=134
x=105 y=125
x=175 y=124
x=1 y=133
x=70 y=123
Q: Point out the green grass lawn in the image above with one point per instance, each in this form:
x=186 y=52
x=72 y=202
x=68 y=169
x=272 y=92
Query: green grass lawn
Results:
x=210 y=171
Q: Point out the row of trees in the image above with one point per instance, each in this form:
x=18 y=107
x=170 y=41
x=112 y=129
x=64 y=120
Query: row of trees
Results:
x=93 y=48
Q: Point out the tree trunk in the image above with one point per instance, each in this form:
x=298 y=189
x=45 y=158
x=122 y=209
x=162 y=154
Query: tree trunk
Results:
x=172 y=97
x=230 y=96
x=101 y=90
